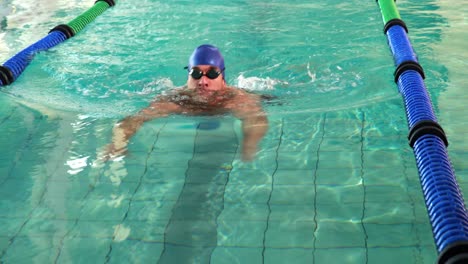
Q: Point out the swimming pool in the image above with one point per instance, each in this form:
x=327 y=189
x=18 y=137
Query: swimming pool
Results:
x=334 y=181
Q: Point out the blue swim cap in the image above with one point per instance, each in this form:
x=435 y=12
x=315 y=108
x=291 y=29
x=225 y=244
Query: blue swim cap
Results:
x=206 y=55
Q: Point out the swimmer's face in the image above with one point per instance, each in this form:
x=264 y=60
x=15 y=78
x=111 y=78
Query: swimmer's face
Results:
x=204 y=79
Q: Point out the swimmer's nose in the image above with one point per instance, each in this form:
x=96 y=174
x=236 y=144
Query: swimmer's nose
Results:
x=203 y=82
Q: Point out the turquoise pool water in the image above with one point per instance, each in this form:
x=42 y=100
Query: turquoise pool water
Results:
x=334 y=180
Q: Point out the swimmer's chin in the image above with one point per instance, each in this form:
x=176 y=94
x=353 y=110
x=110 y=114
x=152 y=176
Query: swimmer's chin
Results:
x=206 y=95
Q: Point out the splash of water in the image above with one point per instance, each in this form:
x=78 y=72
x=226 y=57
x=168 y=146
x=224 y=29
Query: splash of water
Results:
x=259 y=84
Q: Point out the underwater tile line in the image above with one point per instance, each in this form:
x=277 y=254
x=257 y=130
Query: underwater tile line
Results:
x=322 y=125
x=363 y=214
x=272 y=184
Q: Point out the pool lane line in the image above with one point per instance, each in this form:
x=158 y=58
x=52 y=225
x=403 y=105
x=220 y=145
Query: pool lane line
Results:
x=191 y=234
x=443 y=197
x=12 y=68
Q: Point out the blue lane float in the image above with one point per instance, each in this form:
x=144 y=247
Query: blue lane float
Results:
x=16 y=65
x=400 y=44
x=13 y=68
x=444 y=200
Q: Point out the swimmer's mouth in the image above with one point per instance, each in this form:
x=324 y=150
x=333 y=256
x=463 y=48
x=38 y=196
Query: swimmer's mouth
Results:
x=204 y=90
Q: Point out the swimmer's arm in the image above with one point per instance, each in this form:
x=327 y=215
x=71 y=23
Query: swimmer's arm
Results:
x=254 y=125
x=128 y=126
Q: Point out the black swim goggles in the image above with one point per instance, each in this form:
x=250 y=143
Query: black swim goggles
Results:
x=212 y=73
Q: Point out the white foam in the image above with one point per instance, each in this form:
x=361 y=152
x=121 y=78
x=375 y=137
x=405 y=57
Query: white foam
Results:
x=258 y=84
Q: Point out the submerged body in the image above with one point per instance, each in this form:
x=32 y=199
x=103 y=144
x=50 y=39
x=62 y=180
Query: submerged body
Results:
x=206 y=93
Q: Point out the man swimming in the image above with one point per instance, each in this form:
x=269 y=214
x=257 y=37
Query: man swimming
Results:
x=206 y=93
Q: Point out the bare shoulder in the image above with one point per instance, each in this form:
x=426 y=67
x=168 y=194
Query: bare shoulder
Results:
x=242 y=96
x=244 y=104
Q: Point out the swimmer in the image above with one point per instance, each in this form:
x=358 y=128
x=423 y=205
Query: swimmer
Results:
x=205 y=93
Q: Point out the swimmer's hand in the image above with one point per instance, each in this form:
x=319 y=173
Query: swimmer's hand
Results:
x=248 y=152
x=113 y=152
x=118 y=148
